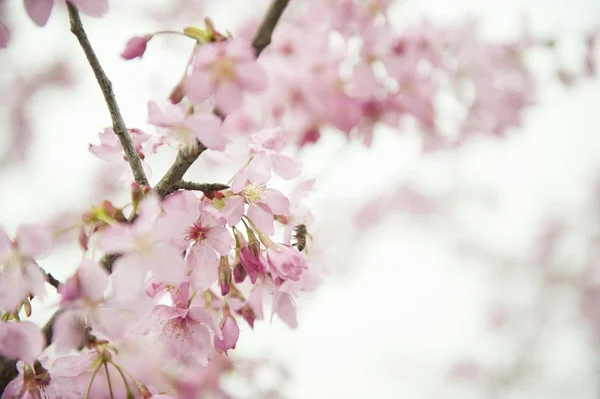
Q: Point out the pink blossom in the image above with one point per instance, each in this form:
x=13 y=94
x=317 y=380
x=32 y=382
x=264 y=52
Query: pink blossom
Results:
x=262 y=202
x=285 y=308
x=185 y=129
x=225 y=69
x=285 y=262
x=19 y=273
x=21 y=340
x=144 y=248
x=56 y=379
x=185 y=333
x=231 y=333
x=136 y=47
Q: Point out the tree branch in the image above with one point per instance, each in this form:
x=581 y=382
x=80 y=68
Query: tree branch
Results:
x=109 y=96
x=206 y=188
x=185 y=158
x=264 y=34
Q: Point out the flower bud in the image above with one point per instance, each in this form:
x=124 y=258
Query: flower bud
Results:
x=224 y=276
x=136 y=47
x=239 y=273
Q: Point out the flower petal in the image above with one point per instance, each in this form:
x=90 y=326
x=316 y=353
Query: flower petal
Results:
x=39 y=10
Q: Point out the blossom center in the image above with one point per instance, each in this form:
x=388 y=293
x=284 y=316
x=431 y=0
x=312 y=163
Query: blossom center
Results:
x=197 y=232
x=253 y=193
x=225 y=68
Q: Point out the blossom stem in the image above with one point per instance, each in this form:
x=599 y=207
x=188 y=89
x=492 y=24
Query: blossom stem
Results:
x=89 y=387
x=110 y=390
x=119 y=126
x=127 y=387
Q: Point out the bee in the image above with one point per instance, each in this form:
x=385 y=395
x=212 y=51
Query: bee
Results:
x=300 y=235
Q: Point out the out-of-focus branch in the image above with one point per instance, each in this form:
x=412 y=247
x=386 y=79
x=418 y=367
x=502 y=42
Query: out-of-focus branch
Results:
x=185 y=158
x=53 y=281
x=109 y=96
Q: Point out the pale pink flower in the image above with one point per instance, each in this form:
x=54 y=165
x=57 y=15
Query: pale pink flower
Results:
x=136 y=47
x=253 y=261
x=191 y=221
x=285 y=262
x=262 y=202
x=231 y=333
x=144 y=248
x=56 y=379
x=21 y=340
x=184 y=130
x=39 y=10
x=225 y=69
x=186 y=333
x=19 y=273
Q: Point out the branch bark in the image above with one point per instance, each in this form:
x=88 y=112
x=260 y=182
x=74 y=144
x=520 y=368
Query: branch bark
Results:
x=187 y=157
x=109 y=96
x=206 y=188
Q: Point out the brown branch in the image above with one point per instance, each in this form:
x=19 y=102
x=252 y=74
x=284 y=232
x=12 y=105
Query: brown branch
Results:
x=263 y=36
x=185 y=158
x=53 y=281
x=119 y=126
x=206 y=188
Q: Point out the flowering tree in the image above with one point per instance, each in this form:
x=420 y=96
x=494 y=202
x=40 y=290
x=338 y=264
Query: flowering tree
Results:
x=166 y=279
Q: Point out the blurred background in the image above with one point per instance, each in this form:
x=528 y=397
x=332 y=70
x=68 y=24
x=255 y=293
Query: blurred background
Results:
x=477 y=278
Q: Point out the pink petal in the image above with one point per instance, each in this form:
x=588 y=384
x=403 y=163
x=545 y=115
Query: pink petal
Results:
x=240 y=49
x=135 y=47
x=33 y=240
x=23 y=340
x=231 y=333
x=203 y=260
x=184 y=204
x=234 y=209
x=259 y=168
x=278 y=202
x=157 y=118
x=251 y=76
x=262 y=218
x=284 y=307
x=301 y=191
x=199 y=86
x=220 y=239
x=4 y=36
x=284 y=166
x=228 y=97
x=117 y=238
x=128 y=277
x=205 y=55
x=239 y=182
x=93 y=280
x=39 y=10
x=13 y=288
x=92 y=8
x=207 y=128
x=166 y=264
x=149 y=212
x=68 y=331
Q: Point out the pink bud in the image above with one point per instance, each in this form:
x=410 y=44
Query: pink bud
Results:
x=136 y=47
x=4 y=35
x=248 y=314
x=285 y=262
x=224 y=276
x=231 y=333
x=239 y=273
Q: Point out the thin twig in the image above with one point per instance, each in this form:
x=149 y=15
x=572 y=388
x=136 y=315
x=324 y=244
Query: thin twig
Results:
x=185 y=158
x=53 y=281
x=206 y=188
x=119 y=126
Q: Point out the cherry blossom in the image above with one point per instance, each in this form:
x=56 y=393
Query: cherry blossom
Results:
x=19 y=273
x=225 y=69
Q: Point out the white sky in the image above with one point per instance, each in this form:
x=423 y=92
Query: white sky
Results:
x=401 y=304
